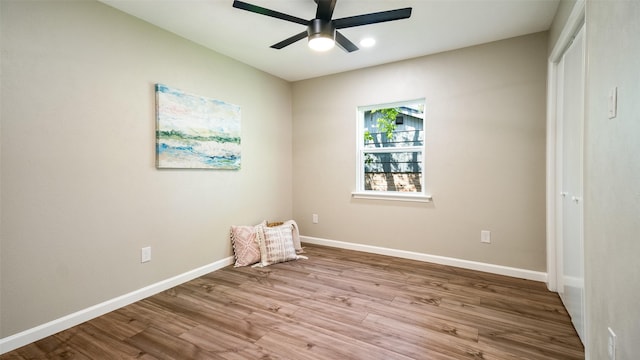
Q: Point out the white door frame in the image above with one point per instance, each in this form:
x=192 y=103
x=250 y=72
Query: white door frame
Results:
x=574 y=23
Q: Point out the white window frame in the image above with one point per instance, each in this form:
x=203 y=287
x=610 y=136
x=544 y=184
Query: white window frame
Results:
x=360 y=192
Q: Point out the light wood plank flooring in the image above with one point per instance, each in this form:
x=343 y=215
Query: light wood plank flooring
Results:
x=338 y=304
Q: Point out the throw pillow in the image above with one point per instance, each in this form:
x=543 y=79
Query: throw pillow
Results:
x=276 y=244
x=295 y=234
x=245 y=245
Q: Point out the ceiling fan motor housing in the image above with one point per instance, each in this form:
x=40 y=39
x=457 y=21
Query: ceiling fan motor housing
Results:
x=321 y=28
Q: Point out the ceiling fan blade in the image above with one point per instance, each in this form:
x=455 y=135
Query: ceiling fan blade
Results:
x=290 y=40
x=344 y=43
x=325 y=9
x=263 y=11
x=372 y=18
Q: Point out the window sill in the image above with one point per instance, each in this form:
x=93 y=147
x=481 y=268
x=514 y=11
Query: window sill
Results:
x=395 y=196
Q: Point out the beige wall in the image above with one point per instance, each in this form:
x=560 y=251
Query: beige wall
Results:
x=485 y=154
x=80 y=192
x=612 y=178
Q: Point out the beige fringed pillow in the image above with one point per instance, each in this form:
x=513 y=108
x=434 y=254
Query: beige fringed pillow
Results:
x=295 y=233
x=276 y=245
x=245 y=244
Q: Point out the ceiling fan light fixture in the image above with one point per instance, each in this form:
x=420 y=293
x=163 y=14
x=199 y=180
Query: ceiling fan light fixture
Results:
x=321 y=43
x=322 y=35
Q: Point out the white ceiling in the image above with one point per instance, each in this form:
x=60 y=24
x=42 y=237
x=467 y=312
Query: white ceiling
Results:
x=434 y=26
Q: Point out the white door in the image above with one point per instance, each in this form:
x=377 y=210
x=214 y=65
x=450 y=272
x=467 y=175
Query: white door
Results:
x=571 y=70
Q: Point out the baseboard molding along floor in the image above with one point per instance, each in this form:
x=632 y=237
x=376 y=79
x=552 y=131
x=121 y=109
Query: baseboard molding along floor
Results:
x=436 y=259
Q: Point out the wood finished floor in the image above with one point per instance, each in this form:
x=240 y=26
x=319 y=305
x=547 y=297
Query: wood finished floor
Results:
x=338 y=304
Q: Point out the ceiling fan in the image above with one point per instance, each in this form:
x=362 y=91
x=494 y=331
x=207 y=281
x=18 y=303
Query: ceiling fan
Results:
x=322 y=30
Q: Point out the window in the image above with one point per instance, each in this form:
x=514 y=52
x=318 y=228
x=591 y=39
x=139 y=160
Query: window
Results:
x=390 y=159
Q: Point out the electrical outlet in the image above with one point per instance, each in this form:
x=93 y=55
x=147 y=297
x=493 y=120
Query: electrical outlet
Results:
x=314 y=218
x=145 y=254
x=485 y=236
x=612 y=344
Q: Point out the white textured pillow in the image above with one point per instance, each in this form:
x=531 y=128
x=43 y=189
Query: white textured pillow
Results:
x=276 y=244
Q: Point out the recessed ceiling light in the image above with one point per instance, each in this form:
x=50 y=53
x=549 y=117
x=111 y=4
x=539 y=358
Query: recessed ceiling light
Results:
x=367 y=42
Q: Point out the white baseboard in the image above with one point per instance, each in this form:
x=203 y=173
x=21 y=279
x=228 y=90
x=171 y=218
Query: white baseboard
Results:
x=39 y=332
x=442 y=260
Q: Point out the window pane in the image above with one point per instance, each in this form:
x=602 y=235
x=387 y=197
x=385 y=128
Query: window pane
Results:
x=390 y=152
x=394 y=127
x=393 y=171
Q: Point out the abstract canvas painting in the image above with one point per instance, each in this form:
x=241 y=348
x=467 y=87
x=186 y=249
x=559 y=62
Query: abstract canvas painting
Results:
x=196 y=132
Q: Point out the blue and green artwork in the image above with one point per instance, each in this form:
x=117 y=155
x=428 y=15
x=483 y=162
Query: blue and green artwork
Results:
x=196 y=132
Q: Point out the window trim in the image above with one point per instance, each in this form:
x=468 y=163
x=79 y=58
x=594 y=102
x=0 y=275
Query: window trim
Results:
x=391 y=195
x=360 y=192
